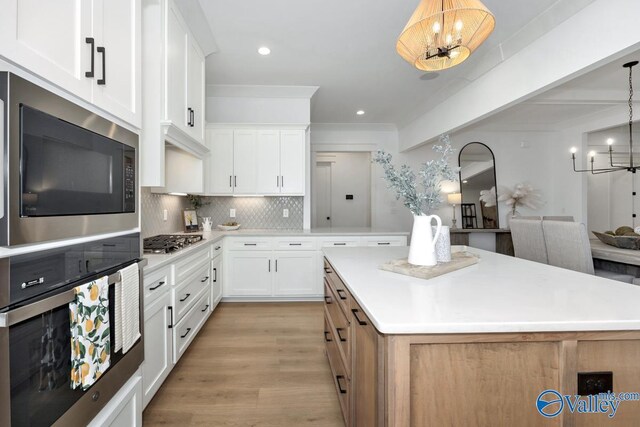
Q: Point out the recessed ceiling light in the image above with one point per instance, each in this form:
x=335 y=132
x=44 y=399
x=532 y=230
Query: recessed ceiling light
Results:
x=465 y=181
x=264 y=50
x=360 y=112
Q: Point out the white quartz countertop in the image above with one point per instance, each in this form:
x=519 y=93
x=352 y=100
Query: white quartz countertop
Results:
x=160 y=260
x=499 y=294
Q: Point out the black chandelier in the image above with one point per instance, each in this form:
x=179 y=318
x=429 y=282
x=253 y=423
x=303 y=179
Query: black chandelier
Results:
x=615 y=167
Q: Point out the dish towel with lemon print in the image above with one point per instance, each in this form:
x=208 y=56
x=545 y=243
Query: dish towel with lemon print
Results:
x=90 y=334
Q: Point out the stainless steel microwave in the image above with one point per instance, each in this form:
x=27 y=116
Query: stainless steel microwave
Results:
x=67 y=171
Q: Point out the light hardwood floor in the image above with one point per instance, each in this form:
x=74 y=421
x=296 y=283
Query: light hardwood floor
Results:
x=258 y=364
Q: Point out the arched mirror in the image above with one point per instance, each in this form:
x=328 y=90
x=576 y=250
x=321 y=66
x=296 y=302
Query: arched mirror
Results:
x=478 y=176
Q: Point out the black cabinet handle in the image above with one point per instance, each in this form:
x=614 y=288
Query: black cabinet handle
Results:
x=205 y=279
x=87 y=265
x=340 y=244
x=103 y=51
x=342 y=390
x=342 y=294
x=327 y=336
x=327 y=270
x=229 y=180
x=383 y=243
x=355 y=315
x=79 y=266
x=327 y=299
x=276 y=266
x=235 y=180
x=217 y=248
x=193 y=117
x=295 y=244
x=170 y=317
x=338 y=330
x=206 y=307
x=269 y=266
x=189 y=116
x=186 y=333
x=91 y=41
x=277 y=181
x=215 y=275
x=153 y=288
x=251 y=244
x=281 y=180
x=185 y=298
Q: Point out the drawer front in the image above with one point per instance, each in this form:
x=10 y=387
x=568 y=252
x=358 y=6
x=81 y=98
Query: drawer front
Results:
x=251 y=244
x=187 y=265
x=338 y=288
x=216 y=249
x=187 y=328
x=114 y=245
x=340 y=379
x=339 y=325
x=296 y=244
x=351 y=241
x=157 y=283
x=186 y=294
x=384 y=241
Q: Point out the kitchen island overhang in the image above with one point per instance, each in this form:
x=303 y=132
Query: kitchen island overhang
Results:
x=477 y=346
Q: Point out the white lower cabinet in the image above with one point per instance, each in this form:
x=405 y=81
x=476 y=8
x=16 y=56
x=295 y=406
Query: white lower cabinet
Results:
x=216 y=281
x=125 y=408
x=185 y=331
x=250 y=272
x=294 y=273
x=158 y=360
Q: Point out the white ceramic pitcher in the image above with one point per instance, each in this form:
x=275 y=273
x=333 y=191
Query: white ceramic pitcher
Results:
x=206 y=223
x=423 y=243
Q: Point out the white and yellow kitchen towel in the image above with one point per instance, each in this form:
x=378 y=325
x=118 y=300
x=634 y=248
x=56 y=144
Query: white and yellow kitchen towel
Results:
x=90 y=333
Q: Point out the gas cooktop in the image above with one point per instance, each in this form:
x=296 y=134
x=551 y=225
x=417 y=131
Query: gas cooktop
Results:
x=168 y=243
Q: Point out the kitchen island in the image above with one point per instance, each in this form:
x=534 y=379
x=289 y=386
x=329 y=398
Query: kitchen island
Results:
x=476 y=346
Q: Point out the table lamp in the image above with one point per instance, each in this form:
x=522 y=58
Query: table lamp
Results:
x=454 y=199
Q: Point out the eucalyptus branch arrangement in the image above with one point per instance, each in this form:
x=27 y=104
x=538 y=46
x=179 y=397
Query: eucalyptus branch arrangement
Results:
x=196 y=201
x=520 y=195
x=404 y=181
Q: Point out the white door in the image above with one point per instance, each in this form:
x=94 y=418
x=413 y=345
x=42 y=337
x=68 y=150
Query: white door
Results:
x=244 y=161
x=219 y=166
x=195 y=87
x=250 y=273
x=176 y=69
x=292 y=162
x=216 y=281
x=295 y=273
x=157 y=347
x=117 y=29
x=268 y=163
x=48 y=38
x=322 y=195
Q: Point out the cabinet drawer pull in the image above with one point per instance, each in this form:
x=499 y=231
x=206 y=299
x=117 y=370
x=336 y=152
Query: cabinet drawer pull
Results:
x=276 y=266
x=230 y=181
x=327 y=336
x=342 y=390
x=327 y=299
x=342 y=294
x=217 y=248
x=339 y=244
x=206 y=307
x=295 y=244
x=170 y=317
x=327 y=270
x=384 y=243
x=269 y=268
x=215 y=275
x=193 y=117
x=91 y=41
x=355 y=315
x=338 y=330
x=185 y=298
x=153 y=288
x=103 y=51
x=205 y=279
x=281 y=180
x=235 y=180
x=251 y=244
x=186 y=333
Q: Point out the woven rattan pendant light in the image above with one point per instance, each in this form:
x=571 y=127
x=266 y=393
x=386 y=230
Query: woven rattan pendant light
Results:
x=443 y=33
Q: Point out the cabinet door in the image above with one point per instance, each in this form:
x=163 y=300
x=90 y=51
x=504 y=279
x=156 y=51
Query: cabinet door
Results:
x=117 y=30
x=48 y=39
x=268 y=164
x=250 y=273
x=292 y=162
x=216 y=281
x=244 y=161
x=365 y=371
x=295 y=273
x=219 y=166
x=157 y=346
x=176 y=69
x=195 y=88
x=124 y=409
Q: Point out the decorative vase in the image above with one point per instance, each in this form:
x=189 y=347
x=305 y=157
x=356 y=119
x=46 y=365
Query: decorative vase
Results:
x=513 y=214
x=443 y=244
x=422 y=250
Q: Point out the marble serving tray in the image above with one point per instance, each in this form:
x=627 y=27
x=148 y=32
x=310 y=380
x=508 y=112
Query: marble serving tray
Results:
x=458 y=261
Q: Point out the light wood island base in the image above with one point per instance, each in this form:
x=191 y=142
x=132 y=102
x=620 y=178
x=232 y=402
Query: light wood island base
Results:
x=467 y=379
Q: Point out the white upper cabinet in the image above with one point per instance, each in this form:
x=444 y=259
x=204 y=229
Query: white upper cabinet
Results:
x=292 y=162
x=244 y=161
x=175 y=62
x=196 y=91
x=90 y=49
x=260 y=162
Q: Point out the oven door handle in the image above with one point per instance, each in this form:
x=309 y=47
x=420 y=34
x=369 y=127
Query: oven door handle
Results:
x=20 y=314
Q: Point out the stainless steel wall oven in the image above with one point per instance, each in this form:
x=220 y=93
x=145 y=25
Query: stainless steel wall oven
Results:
x=35 y=337
x=67 y=171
